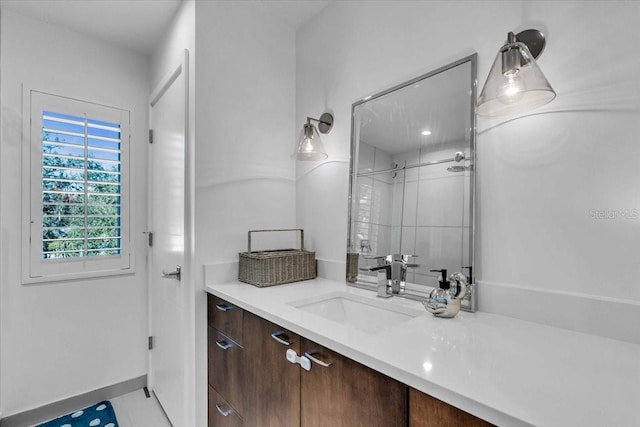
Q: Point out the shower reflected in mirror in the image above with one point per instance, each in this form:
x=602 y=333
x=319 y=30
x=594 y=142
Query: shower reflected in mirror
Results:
x=412 y=178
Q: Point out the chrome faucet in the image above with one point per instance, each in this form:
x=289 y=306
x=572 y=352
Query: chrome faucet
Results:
x=392 y=280
x=384 y=280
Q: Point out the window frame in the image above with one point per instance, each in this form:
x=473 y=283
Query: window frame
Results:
x=35 y=268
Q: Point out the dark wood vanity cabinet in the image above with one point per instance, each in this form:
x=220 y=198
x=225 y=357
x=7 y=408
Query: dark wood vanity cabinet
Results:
x=271 y=383
x=225 y=368
x=221 y=414
x=251 y=382
x=225 y=317
x=427 y=411
x=345 y=393
x=224 y=363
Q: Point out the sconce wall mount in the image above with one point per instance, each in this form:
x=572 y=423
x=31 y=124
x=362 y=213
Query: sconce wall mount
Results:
x=310 y=146
x=515 y=83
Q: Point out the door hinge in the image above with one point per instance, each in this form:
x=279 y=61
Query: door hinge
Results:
x=150 y=239
x=150 y=136
x=151 y=343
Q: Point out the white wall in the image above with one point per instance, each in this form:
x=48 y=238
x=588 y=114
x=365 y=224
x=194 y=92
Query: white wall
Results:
x=180 y=35
x=168 y=54
x=245 y=133
x=245 y=111
x=67 y=338
x=541 y=255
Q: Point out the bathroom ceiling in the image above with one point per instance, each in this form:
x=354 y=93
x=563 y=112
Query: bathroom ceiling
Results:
x=292 y=13
x=139 y=24
x=135 y=24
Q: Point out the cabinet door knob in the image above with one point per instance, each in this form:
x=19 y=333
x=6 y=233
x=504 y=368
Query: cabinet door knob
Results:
x=309 y=355
x=276 y=336
x=224 y=345
x=222 y=411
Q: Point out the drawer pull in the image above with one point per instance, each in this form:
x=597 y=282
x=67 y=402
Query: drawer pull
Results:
x=224 y=345
x=222 y=411
x=276 y=336
x=224 y=307
x=309 y=355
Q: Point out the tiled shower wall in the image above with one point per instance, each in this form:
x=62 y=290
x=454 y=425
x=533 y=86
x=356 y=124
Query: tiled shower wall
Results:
x=421 y=211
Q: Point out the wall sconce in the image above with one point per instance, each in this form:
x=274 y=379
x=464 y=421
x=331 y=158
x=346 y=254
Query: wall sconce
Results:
x=310 y=145
x=515 y=83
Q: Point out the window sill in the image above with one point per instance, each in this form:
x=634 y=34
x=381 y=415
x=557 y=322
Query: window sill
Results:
x=65 y=277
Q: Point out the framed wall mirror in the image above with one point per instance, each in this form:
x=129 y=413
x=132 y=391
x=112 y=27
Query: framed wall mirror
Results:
x=412 y=179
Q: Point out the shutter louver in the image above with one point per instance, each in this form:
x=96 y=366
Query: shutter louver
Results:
x=81 y=187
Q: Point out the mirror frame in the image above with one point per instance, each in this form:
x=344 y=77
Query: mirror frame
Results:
x=471 y=303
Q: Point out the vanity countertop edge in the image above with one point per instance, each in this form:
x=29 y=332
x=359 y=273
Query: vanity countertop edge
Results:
x=507 y=371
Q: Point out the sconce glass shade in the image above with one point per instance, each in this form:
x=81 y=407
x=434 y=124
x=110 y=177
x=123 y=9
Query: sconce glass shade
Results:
x=310 y=147
x=515 y=83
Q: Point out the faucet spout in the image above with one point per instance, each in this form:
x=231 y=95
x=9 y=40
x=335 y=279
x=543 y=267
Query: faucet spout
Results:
x=384 y=279
x=399 y=265
x=393 y=280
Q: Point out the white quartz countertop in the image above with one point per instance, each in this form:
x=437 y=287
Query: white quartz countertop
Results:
x=506 y=371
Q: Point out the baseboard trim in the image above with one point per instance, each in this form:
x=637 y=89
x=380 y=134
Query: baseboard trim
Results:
x=61 y=407
x=592 y=314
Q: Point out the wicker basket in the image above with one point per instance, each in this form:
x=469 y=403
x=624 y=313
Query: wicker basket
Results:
x=276 y=267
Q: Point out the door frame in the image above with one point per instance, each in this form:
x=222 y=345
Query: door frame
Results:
x=187 y=283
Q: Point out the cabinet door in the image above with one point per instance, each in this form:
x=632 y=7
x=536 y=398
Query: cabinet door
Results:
x=221 y=414
x=225 y=368
x=427 y=411
x=347 y=394
x=271 y=383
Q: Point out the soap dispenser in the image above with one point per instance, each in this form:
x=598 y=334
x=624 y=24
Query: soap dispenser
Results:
x=445 y=301
x=442 y=282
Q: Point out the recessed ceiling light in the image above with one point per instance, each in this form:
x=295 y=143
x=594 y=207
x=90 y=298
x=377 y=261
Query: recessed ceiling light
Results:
x=426 y=132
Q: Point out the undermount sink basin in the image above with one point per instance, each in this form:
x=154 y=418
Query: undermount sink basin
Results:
x=366 y=314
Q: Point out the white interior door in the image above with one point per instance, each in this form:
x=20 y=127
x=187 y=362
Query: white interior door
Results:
x=168 y=305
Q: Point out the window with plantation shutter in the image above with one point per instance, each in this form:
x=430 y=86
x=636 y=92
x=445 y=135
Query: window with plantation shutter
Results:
x=79 y=206
x=80 y=186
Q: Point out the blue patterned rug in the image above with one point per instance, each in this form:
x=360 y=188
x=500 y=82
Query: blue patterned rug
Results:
x=99 y=415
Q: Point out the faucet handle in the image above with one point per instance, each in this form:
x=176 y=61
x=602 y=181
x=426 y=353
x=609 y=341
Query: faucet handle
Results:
x=386 y=267
x=381 y=259
x=404 y=260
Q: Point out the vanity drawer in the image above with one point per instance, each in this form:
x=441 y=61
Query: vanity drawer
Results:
x=225 y=317
x=221 y=414
x=225 y=368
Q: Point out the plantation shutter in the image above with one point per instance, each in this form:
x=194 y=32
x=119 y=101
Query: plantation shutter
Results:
x=79 y=205
x=81 y=184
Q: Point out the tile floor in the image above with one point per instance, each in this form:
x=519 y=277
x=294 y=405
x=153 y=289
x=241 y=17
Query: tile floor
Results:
x=135 y=410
